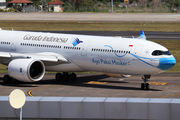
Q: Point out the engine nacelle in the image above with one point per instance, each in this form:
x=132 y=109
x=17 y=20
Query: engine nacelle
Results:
x=26 y=70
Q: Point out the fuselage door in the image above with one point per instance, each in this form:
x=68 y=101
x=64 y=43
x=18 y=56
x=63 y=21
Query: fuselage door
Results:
x=137 y=51
x=84 y=49
x=13 y=44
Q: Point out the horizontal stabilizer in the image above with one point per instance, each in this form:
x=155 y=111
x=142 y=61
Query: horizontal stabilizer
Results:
x=142 y=36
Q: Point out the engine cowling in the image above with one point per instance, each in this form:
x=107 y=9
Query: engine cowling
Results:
x=26 y=70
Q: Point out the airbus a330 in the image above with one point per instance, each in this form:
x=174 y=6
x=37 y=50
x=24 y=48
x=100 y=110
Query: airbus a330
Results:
x=29 y=54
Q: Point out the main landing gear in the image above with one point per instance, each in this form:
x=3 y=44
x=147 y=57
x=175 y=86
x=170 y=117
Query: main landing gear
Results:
x=8 y=79
x=66 y=77
x=145 y=79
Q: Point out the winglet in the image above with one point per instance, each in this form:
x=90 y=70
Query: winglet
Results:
x=142 y=36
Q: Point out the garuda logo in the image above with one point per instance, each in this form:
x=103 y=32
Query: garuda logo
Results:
x=76 y=42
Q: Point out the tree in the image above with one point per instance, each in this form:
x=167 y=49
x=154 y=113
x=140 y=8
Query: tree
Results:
x=177 y=3
x=143 y=3
x=104 y=2
x=87 y=3
x=76 y=3
x=36 y=2
x=95 y=1
x=44 y=5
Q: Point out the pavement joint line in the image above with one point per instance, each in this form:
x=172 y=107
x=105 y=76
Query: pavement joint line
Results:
x=171 y=95
x=30 y=94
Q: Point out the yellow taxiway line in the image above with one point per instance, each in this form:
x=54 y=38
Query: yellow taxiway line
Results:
x=30 y=94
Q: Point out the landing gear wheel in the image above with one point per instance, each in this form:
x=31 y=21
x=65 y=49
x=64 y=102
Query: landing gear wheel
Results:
x=58 y=76
x=142 y=86
x=65 y=76
x=145 y=79
x=72 y=77
x=147 y=86
x=6 y=79
x=13 y=80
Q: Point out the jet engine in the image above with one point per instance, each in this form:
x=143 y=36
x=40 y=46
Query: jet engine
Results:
x=26 y=70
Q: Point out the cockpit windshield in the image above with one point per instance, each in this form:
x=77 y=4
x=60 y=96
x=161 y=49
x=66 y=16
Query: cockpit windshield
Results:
x=159 y=52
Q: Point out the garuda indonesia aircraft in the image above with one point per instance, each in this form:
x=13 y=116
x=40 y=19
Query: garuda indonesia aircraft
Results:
x=29 y=54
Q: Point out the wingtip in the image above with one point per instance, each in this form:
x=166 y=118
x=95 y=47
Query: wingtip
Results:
x=142 y=35
x=142 y=32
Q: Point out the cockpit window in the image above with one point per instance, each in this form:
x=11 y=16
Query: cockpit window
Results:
x=159 y=52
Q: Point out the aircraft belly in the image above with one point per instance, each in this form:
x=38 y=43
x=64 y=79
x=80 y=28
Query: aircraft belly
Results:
x=139 y=67
x=69 y=67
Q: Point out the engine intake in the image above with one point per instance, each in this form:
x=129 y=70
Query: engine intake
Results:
x=26 y=70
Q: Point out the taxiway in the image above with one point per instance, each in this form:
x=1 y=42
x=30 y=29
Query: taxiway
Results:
x=165 y=85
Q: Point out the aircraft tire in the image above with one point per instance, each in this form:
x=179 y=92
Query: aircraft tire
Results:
x=6 y=79
x=65 y=77
x=58 y=76
x=142 y=86
x=13 y=80
x=147 y=86
x=72 y=77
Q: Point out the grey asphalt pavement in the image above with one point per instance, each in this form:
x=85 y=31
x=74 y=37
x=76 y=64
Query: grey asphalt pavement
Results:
x=165 y=85
x=155 y=17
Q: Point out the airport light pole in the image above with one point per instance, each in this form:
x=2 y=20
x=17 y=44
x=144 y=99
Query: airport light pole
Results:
x=54 y=1
x=23 y=5
x=111 y=6
x=126 y=2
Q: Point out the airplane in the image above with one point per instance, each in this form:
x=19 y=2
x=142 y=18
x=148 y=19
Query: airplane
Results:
x=29 y=54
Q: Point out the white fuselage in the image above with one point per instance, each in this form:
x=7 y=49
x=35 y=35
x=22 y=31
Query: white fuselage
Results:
x=90 y=53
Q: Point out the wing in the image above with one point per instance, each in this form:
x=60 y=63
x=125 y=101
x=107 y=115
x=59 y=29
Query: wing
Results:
x=44 y=56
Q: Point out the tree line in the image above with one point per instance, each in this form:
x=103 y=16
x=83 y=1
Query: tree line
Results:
x=93 y=6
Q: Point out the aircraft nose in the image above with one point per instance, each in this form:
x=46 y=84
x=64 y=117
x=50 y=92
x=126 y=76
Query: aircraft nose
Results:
x=166 y=63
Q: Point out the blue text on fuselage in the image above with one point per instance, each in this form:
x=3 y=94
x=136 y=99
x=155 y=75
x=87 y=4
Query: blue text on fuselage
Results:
x=108 y=62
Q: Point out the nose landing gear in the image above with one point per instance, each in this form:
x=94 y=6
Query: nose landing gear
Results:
x=145 y=79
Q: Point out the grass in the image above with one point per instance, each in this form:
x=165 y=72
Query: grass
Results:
x=172 y=45
x=90 y=26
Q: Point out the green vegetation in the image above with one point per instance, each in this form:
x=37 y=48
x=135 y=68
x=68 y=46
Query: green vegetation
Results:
x=172 y=45
x=139 y=6
x=119 y=6
x=90 y=26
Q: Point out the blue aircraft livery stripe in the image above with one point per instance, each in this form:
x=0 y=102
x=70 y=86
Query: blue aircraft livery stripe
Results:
x=115 y=52
x=142 y=60
x=164 y=63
